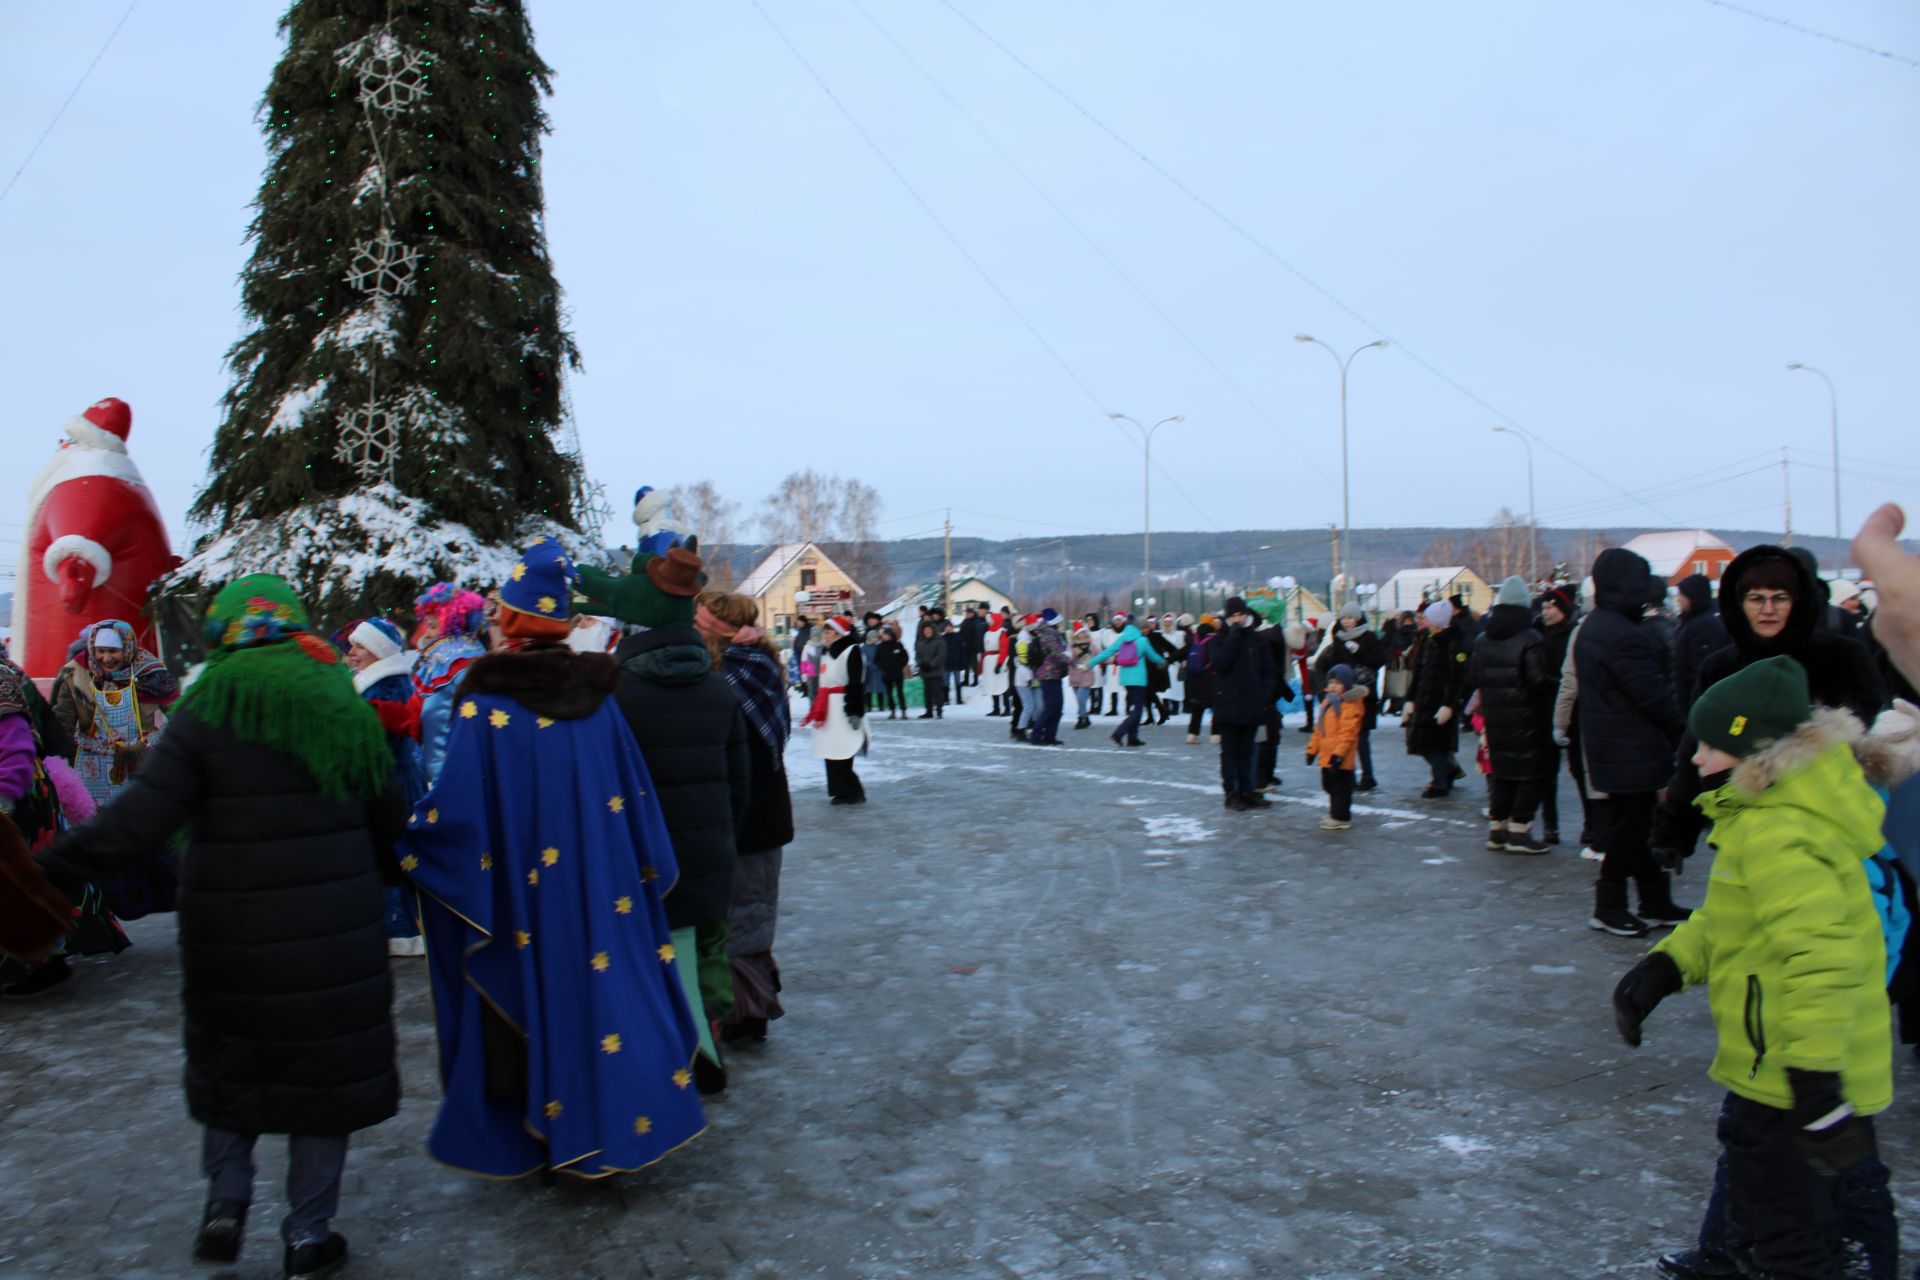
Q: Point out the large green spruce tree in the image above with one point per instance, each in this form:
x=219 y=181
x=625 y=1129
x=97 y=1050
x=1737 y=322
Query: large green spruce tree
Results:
x=397 y=402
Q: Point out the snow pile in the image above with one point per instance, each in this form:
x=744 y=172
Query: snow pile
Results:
x=335 y=550
x=291 y=413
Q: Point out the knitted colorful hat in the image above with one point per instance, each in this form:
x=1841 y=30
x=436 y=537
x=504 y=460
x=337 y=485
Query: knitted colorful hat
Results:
x=378 y=637
x=541 y=582
x=1562 y=598
x=459 y=612
x=277 y=685
x=1754 y=707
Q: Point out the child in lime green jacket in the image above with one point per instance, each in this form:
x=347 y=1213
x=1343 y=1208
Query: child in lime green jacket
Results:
x=1789 y=946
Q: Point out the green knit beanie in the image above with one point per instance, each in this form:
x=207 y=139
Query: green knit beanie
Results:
x=1753 y=708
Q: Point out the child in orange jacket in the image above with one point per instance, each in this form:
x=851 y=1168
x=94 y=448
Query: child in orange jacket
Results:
x=1343 y=709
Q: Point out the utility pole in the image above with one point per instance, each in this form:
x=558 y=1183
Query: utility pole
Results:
x=1786 y=501
x=1063 y=577
x=1333 y=531
x=946 y=566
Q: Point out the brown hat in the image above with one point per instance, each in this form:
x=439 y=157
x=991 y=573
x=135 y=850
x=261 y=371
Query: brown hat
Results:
x=677 y=573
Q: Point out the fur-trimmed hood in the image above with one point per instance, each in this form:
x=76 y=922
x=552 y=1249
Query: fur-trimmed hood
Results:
x=548 y=680
x=1888 y=754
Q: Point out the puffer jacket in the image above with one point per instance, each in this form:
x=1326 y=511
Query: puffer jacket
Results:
x=1241 y=661
x=1336 y=734
x=1135 y=676
x=284 y=975
x=1789 y=941
x=1699 y=636
x=1629 y=719
x=1439 y=680
x=1514 y=672
x=1840 y=673
x=1054 y=660
x=1360 y=649
x=694 y=738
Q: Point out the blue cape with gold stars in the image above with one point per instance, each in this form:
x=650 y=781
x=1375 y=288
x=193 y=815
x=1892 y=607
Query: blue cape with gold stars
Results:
x=541 y=860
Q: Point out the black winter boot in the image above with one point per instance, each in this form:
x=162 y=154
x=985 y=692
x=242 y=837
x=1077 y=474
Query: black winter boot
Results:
x=1657 y=908
x=222 y=1227
x=1610 y=914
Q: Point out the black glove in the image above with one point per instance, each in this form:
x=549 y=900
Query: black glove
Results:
x=1333 y=762
x=1831 y=1136
x=1668 y=858
x=1642 y=989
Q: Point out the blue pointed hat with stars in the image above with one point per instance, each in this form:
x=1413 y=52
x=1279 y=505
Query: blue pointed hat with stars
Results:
x=539 y=584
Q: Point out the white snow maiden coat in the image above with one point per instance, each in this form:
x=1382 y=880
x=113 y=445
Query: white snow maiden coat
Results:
x=837 y=737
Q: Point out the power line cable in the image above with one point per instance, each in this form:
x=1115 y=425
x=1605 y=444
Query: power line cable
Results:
x=927 y=208
x=47 y=132
x=1818 y=35
x=1083 y=233
x=1284 y=262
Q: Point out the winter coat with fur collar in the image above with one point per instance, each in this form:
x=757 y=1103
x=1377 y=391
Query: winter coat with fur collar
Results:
x=1788 y=941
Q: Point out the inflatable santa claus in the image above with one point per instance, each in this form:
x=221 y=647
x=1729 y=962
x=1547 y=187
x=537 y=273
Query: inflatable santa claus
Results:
x=94 y=543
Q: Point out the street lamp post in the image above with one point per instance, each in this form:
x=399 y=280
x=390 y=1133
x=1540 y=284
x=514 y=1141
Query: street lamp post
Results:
x=1533 y=530
x=1339 y=567
x=1146 y=507
x=1833 y=405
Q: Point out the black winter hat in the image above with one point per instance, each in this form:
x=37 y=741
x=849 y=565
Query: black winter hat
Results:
x=1235 y=604
x=1754 y=707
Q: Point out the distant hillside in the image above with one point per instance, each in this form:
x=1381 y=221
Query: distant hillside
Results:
x=1111 y=562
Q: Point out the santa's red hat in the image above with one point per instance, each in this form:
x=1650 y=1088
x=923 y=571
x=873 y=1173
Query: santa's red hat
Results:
x=104 y=425
x=843 y=625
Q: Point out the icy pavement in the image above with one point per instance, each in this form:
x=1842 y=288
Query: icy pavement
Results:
x=1051 y=1013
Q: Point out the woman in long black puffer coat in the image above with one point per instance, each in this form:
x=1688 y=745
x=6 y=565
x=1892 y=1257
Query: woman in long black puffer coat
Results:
x=1435 y=697
x=282 y=779
x=1513 y=671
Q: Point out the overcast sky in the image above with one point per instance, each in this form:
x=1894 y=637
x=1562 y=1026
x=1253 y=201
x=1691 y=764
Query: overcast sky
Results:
x=1613 y=224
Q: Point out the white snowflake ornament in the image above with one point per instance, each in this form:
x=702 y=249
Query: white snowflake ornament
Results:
x=393 y=78
x=369 y=440
x=383 y=266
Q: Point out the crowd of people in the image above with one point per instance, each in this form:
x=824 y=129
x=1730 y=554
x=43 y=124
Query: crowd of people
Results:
x=570 y=797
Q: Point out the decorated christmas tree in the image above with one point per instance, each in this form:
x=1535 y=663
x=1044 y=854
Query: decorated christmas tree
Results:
x=396 y=414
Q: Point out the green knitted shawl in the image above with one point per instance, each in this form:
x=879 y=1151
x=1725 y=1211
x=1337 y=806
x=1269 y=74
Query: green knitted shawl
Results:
x=274 y=683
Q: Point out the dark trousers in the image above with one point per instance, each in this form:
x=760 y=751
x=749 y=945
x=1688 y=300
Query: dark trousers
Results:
x=1046 y=727
x=1193 y=725
x=1267 y=754
x=1440 y=762
x=959 y=679
x=843 y=781
x=1783 y=1216
x=1366 y=754
x=1236 y=756
x=933 y=690
x=1625 y=821
x=1577 y=766
x=314 y=1166
x=1129 y=730
x=1338 y=784
x=1868 y=1226
x=1514 y=799
x=1550 y=796
x=895 y=696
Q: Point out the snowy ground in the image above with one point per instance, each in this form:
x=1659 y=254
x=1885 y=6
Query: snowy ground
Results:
x=1051 y=1013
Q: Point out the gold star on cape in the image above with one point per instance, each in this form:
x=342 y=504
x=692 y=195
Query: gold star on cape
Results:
x=409 y=863
x=433 y=816
x=642 y=1125
x=549 y=856
x=649 y=874
x=601 y=963
x=469 y=709
x=486 y=862
x=547 y=604
x=683 y=1077
x=610 y=1044
x=617 y=804
x=623 y=905
x=522 y=938
x=520 y=571
x=542 y=722
x=666 y=952
x=553 y=1109
x=498 y=718
x=533 y=876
